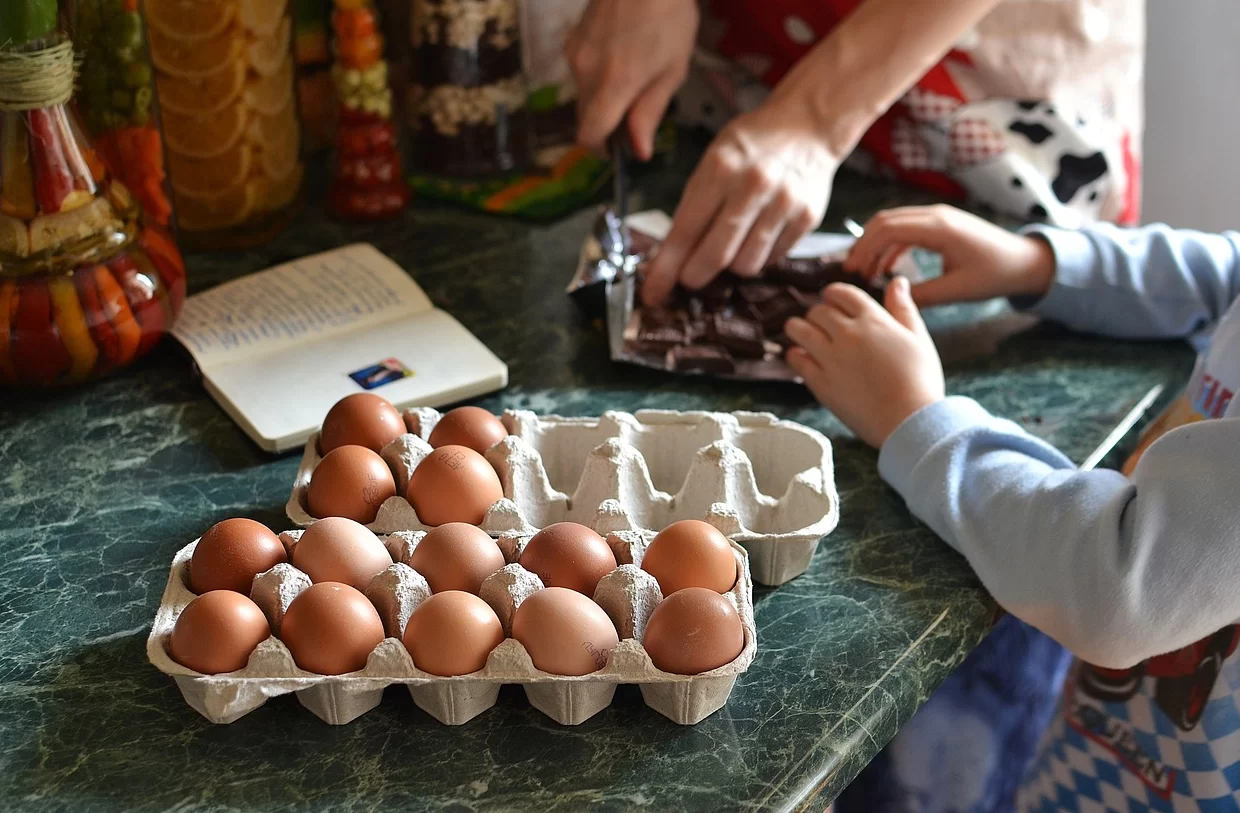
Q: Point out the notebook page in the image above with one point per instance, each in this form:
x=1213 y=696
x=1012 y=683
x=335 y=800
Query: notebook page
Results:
x=306 y=300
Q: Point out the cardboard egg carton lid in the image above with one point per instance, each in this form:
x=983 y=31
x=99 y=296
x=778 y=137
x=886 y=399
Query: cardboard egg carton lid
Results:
x=767 y=483
x=628 y=595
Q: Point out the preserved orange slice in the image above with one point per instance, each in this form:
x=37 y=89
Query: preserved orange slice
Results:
x=269 y=95
x=279 y=139
x=262 y=17
x=204 y=136
x=208 y=176
x=219 y=211
x=203 y=94
x=190 y=20
x=266 y=54
x=195 y=58
x=275 y=193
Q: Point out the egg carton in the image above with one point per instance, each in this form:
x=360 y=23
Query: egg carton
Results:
x=767 y=483
x=627 y=594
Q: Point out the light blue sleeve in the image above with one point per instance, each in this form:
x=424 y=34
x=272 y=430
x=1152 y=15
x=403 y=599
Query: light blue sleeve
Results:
x=1117 y=570
x=1147 y=283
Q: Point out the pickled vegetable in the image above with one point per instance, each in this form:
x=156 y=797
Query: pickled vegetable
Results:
x=86 y=285
x=17 y=184
x=71 y=324
x=367 y=181
x=118 y=97
x=38 y=355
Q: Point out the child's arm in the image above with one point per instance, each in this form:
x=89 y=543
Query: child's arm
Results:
x=1153 y=282
x=1135 y=283
x=1117 y=570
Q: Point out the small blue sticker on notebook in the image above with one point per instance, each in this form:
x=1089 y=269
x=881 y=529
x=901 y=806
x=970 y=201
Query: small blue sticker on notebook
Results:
x=385 y=372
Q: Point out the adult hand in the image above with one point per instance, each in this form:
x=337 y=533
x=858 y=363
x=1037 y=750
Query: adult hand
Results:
x=762 y=185
x=980 y=259
x=629 y=57
x=872 y=367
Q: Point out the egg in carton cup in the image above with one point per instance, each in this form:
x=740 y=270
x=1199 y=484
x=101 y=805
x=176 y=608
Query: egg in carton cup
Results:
x=627 y=594
x=766 y=483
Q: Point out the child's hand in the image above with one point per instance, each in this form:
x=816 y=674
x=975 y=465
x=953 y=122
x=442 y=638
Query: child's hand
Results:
x=980 y=259
x=872 y=367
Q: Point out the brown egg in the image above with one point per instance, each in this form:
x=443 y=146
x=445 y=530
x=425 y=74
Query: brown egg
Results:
x=231 y=553
x=456 y=556
x=454 y=484
x=452 y=633
x=340 y=550
x=564 y=632
x=217 y=632
x=690 y=553
x=352 y=482
x=693 y=631
x=468 y=426
x=361 y=419
x=568 y=555
x=331 y=629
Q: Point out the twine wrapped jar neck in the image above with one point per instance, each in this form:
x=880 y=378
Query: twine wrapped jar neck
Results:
x=37 y=78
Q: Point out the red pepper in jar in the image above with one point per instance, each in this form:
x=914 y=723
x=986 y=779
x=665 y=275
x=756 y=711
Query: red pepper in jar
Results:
x=118 y=314
x=38 y=354
x=143 y=294
x=167 y=258
x=101 y=330
x=8 y=309
x=53 y=182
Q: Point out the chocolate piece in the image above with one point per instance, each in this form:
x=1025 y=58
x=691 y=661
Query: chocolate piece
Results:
x=773 y=313
x=718 y=294
x=806 y=273
x=698 y=329
x=741 y=337
x=660 y=339
x=700 y=358
x=756 y=292
x=657 y=317
x=807 y=299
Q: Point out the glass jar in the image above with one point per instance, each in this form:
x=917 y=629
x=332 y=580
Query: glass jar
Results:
x=467 y=91
x=367 y=183
x=225 y=76
x=116 y=99
x=86 y=284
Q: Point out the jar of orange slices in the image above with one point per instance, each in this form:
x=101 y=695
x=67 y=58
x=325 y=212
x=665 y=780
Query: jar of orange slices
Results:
x=225 y=76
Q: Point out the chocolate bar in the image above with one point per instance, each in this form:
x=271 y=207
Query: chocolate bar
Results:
x=807 y=274
x=660 y=339
x=742 y=337
x=700 y=358
x=718 y=294
x=773 y=313
x=754 y=293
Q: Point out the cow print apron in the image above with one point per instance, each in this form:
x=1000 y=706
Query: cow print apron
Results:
x=1035 y=113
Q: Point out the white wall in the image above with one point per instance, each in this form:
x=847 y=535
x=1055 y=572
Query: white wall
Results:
x=1192 y=124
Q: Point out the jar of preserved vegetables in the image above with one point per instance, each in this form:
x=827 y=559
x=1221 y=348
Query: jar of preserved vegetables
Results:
x=225 y=75
x=116 y=98
x=87 y=284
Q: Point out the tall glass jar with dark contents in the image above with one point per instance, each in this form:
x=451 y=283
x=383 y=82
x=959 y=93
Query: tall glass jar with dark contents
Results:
x=467 y=92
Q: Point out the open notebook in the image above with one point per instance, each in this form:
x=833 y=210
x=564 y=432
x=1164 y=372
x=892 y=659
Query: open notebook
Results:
x=276 y=349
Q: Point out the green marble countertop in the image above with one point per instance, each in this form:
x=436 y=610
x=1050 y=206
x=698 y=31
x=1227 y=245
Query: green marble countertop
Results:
x=100 y=486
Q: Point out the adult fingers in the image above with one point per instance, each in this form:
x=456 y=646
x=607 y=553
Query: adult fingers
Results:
x=697 y=209
x=799 y=224
x=648 y=109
